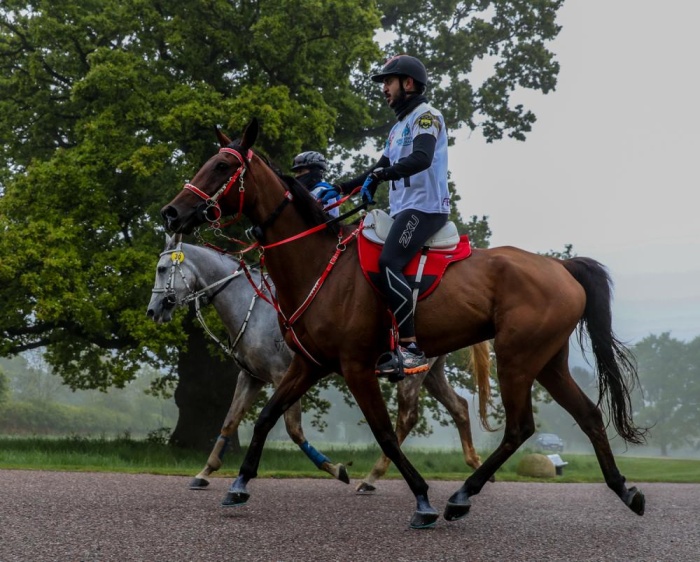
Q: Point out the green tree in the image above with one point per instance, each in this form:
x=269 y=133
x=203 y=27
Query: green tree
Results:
x=4 y=387
x=669 y=373
x=105 y=106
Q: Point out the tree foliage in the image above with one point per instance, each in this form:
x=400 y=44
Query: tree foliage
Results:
x=669 y=372
x=106 y=106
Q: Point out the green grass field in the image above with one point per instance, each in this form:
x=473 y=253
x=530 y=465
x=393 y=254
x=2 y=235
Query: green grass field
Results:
x=283 y=460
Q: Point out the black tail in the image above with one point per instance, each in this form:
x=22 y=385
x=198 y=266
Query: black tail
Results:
x=616 y=366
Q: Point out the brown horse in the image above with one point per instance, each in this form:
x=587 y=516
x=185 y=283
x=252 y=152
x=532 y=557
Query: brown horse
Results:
x=527 y=303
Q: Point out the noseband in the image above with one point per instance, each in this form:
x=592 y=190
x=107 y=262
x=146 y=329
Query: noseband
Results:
x=210 y=211
x=176 y=258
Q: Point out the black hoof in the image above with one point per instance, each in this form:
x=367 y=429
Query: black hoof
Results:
x=635 y=500
x=343 y=474
x=235 y=499
x=198 y=484
x=365 y=488
x=456 y=511
x=424 y=519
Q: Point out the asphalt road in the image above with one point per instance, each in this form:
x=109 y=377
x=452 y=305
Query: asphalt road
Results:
x=57 y=516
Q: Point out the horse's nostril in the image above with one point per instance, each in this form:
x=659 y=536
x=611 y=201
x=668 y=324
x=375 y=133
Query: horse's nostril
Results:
x=168 y=212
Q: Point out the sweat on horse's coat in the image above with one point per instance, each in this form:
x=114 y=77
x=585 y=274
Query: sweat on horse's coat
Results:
x=527 y=303
x=185 y=272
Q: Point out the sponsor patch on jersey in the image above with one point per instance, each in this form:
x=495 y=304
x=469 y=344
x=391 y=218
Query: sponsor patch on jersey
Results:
x=425 y=121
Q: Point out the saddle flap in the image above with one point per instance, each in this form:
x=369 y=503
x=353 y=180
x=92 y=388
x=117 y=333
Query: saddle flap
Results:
x=377 y=224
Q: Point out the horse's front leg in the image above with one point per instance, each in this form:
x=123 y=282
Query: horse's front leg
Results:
x=298 y=379
x=364 y=386
x=247 y=389
x=408 y=393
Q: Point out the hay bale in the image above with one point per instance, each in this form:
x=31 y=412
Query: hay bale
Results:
x=536 y=466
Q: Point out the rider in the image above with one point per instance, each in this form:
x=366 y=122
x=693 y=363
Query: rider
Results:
x=414 y=161
x=309 y=168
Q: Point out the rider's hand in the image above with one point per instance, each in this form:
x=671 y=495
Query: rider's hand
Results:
x=329 y=193
x=373 y=180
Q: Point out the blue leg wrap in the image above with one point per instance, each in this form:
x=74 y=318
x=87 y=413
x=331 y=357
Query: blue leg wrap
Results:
x=316 y=457
x=226 y=441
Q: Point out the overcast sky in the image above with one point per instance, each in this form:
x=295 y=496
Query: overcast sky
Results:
x=612 y=163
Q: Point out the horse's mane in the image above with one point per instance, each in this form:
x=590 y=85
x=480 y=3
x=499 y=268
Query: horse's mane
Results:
x=306 y=204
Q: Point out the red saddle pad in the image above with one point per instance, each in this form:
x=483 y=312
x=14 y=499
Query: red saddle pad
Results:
x=435 y=266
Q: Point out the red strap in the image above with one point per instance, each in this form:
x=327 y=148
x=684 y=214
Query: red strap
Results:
x=194 y=189
x=343 y=199
x=296 y=236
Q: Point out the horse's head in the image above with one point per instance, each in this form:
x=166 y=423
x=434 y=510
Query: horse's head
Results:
x=211 y=192
x=170 y=287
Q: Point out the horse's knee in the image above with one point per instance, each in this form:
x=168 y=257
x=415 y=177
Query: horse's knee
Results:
x=296 y=435
x=408 y=419
x=388 y=444
x=265 y=422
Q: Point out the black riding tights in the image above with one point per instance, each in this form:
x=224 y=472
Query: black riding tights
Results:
x=408 y=234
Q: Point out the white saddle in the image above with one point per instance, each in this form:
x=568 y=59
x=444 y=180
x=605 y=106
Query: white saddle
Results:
x=377 y=224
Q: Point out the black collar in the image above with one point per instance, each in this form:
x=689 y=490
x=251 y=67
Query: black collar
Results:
x=407 y=105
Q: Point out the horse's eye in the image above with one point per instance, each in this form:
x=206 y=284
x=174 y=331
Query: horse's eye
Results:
x=162 y=269
x=222 y=166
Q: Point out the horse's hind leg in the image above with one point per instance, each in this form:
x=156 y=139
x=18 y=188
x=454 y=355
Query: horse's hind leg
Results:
x=437 y=385
x=292 y=420
x=247 y=389
x=408 y=393
x=557 y=380
x=516 y=395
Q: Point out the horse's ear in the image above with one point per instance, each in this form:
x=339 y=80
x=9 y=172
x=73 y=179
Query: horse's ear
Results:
x=250 y=134
x=172 y=241
x=223 y=139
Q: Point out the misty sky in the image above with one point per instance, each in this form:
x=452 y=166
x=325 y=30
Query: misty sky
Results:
x=611 y=165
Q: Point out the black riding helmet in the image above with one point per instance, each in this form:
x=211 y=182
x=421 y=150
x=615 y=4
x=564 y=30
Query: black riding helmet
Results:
x=403 y=65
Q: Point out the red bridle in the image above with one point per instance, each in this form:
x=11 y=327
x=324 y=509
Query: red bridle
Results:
x=212 y=202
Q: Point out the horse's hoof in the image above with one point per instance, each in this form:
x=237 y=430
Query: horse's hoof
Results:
x=198 y=484
x=343 y=474
x=365 y=488
x=424 y=519
x=456 y=511
x=635 y=500
x=235 y=499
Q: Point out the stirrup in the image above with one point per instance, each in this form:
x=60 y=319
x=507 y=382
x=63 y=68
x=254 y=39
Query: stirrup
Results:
x=389 y=365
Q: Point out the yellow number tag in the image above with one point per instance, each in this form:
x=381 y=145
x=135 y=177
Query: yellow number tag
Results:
x=177 y=257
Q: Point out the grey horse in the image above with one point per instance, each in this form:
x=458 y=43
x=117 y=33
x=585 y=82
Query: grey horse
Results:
x=187 y=273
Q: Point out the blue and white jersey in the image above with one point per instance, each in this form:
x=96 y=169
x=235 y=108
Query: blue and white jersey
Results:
x=427 y=190
x=320 y=186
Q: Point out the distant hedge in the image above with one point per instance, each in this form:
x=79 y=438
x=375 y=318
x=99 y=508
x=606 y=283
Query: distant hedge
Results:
x=33 y=418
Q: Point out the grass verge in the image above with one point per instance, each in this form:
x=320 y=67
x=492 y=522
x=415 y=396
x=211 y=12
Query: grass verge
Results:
x=283 y=460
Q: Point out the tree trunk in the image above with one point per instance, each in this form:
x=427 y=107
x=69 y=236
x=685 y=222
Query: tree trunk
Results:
x=204 y=392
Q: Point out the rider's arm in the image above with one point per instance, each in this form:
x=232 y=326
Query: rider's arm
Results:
x=419 y=160
x=349 y=185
